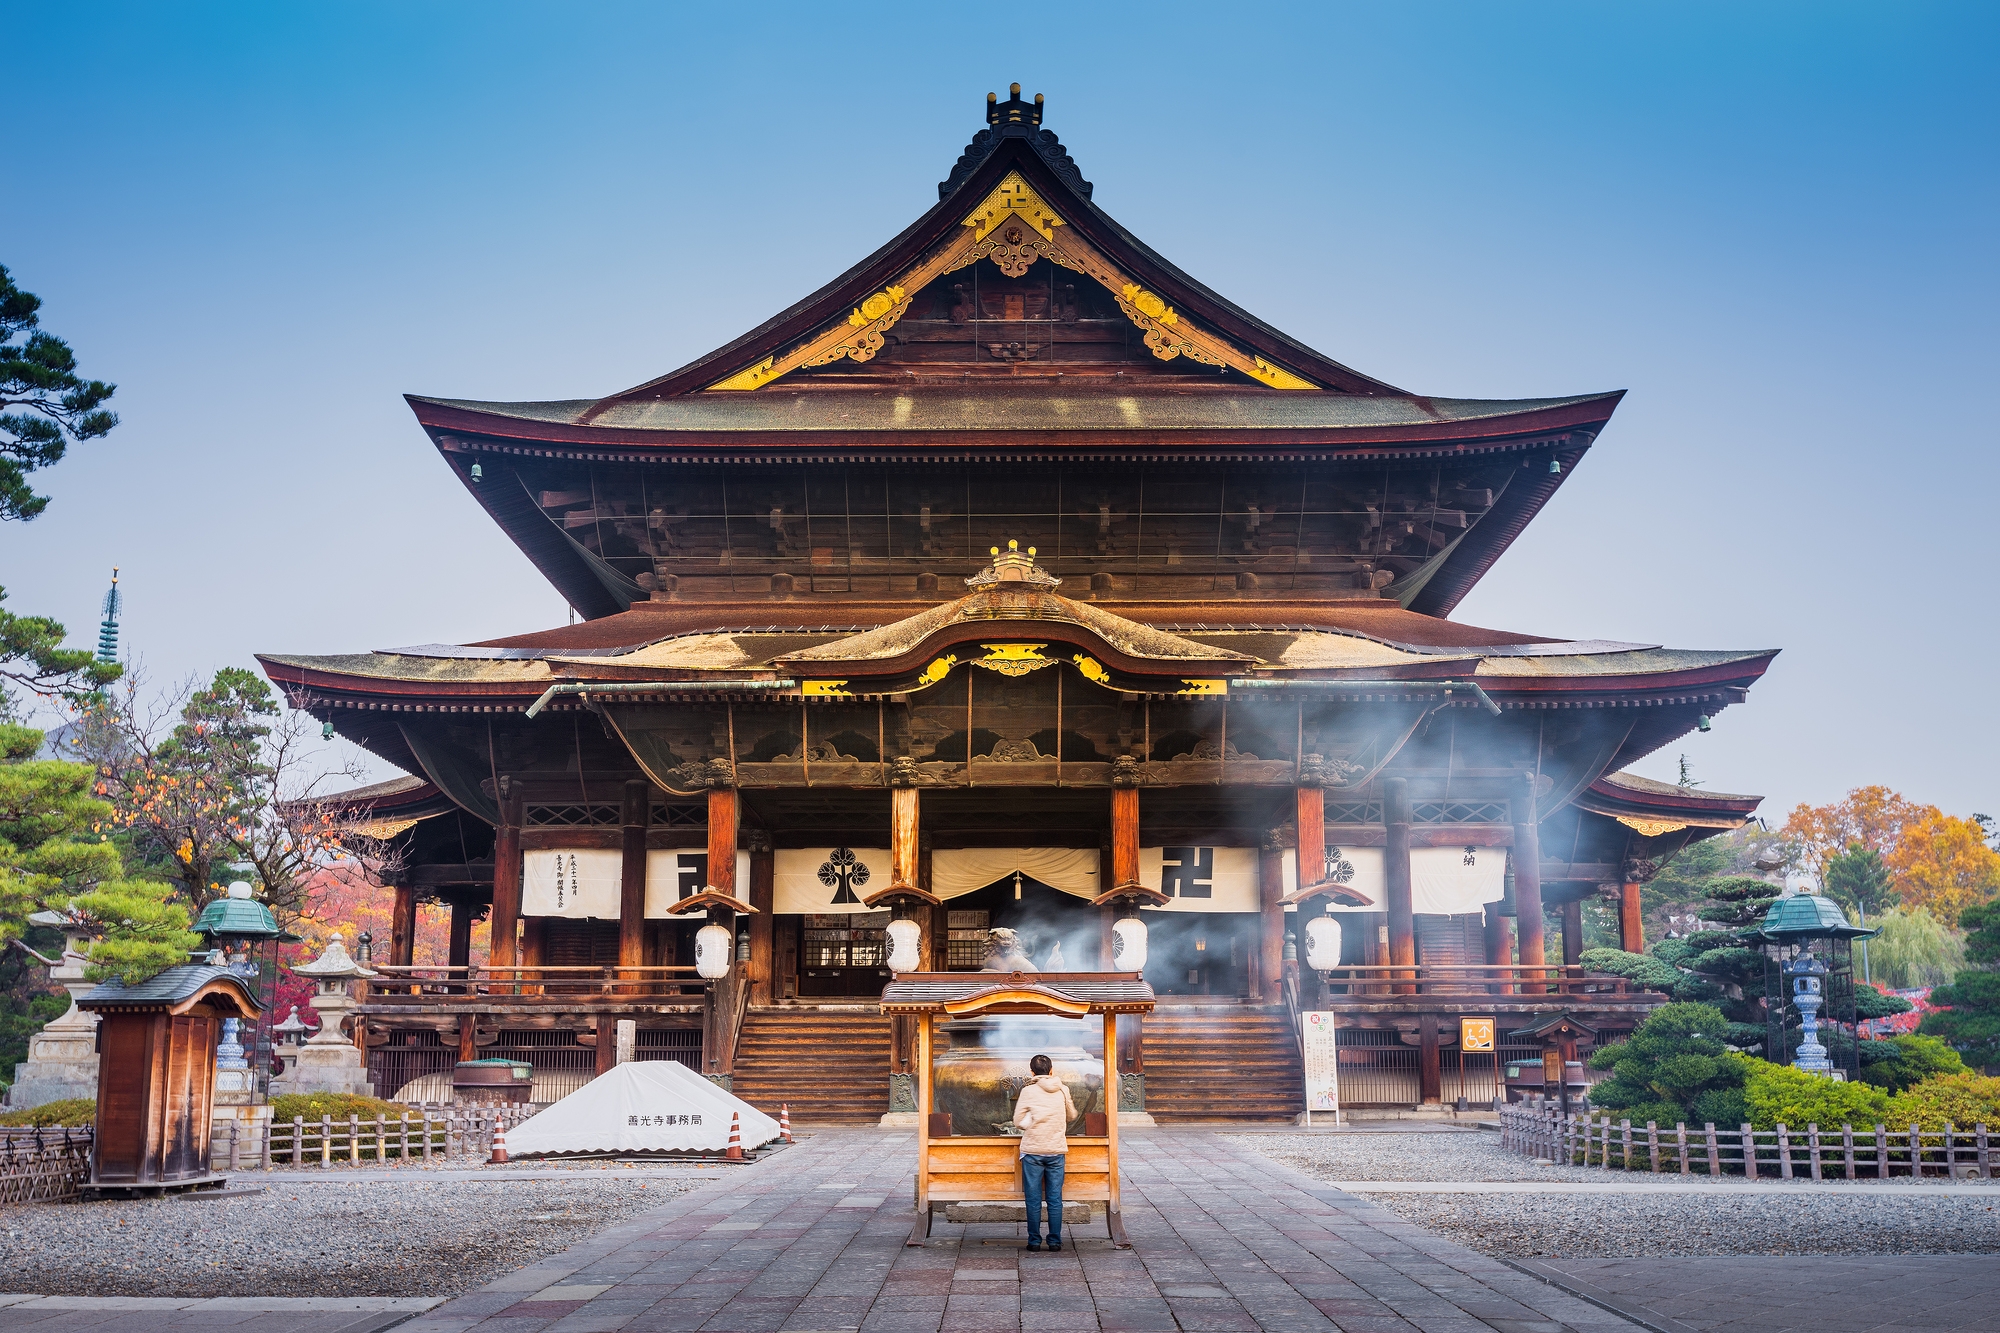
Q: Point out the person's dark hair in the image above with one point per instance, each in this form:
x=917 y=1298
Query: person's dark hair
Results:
x=1041 y=1064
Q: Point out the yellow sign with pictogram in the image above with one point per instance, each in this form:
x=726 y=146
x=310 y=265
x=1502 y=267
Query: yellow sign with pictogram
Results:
x=1475 y=1034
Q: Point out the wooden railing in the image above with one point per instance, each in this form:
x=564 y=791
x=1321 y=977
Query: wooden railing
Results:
x=445 y=985
x=423 y=1133
x=1876 y=1152
x=1466 y=980
x=47 y=1165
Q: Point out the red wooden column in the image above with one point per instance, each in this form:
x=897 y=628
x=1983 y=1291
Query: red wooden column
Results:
x=903 y=871
x=403 y=927
x=1270 y=957
x=1396 y=876
x=636 y=815
x=1107 y=915
x=1631 y=925
x=1499 y=945
x=763 y=886
x=1528 y=880
x=506 y=879
x=1430 y=1073
x=1124 y=837
x=722 y=839
x=1572 y=932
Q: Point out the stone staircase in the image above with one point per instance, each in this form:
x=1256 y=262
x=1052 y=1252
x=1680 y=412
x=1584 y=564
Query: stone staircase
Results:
x=830 y=1066
x=1222 y=1062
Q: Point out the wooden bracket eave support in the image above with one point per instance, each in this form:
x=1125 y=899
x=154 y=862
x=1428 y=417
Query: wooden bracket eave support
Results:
x=709 y=900
x=1138 y=895
x=901 y=895
x=1340 y=893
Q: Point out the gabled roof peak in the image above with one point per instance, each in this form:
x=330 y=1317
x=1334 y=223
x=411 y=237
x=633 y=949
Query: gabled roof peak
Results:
x=1014 y=119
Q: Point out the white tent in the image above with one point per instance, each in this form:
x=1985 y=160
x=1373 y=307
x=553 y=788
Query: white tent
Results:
x=644 y=1106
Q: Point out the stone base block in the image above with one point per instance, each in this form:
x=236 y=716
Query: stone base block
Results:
x=39 y=1082
x=1136 y=1120
x=1074 y=1210
x=899 y=1120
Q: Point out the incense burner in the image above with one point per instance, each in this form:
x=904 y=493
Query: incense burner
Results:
x=977 y=1078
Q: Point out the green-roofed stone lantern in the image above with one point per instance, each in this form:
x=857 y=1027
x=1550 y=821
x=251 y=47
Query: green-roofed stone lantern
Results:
x=247 y=935
x=1809 y=984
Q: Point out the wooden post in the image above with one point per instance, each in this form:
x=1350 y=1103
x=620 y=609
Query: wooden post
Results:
x=1527 y=856
x=1270 y=954
x=1499 y=946
x=1396 y=881
x=1124 y=837
x=1631 y=926
x=468 y=1044
x=534 y=950
x=722 y=839
x=403 y=927
x=1310 y=815
x=1430 y=1077
x=607 y=1043
x=1784 y=1152
x=1107 y=915
x=1847 y=1149
x=635 y=816
x=1714 y=1150
x=903 y=837
x=1572 y=932
x=506 y=878
x=763 y=893
x=923 y=1072
x=459 y=951
x=1111 y=1122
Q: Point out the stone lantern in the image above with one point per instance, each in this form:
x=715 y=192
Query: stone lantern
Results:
x=329 y=1061
x=1809 y=980
x=62 y=1057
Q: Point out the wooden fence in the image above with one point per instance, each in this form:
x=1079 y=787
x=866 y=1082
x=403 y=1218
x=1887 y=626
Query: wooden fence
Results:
x=447 y=1134
x=1875 y=1152
x=43 y=1165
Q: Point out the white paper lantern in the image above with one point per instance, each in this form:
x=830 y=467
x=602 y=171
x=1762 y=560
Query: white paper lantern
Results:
x=712 y=946
x=1128 y=945
x=1322 y=943
x=903 y=940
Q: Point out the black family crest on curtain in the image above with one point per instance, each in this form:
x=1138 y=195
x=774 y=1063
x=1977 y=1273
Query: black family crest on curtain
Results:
x=843 y=872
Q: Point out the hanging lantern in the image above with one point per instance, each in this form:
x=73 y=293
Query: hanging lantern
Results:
x=712 y=946
x=1322 y=943
x=904 y=938
x=1128 y=945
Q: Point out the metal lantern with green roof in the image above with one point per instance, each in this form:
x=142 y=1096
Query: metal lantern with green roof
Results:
x=1809 y=984
x=248 y=936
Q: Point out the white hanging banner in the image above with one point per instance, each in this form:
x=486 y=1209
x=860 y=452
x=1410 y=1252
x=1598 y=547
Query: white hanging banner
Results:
x=1359 y=868
x=1456 y=881
x=828 y=880
x=584 y=882
x=1444 y=881
x=957 y=871
x=1201 y=879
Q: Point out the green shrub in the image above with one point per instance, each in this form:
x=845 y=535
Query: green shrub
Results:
x=1676 y=1056
x=1781 y=1094
x=1725 y=1108
x=1963 y=1100
x=310 y=1106
x=1648 y=972
x=337 y=1107
x=1915 y=1059
x=71 y=1111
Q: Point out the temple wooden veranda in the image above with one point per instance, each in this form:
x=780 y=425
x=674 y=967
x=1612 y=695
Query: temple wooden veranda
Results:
x=1014 y=580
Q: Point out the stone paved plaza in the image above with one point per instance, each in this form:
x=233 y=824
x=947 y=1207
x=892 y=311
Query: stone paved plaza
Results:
x=813 y=1241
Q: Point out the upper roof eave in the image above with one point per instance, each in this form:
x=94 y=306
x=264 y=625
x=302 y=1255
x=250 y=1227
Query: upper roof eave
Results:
x=895 y=258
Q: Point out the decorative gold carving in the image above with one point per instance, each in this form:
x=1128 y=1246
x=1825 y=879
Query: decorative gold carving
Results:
x=1650 y=828
x=938 y=669
x=1013 y=195
x=1092 y=669
x=1010 y=566
x=876 y=306
x=825 y=689
x=752 y=378
x=1148 y=304
x=870 y=320
x=1204 y=687
x=1013 y=659
x=1277 y=376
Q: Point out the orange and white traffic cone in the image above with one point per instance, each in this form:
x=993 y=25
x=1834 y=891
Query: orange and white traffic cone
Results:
x=499 y=1145
x=735 y=1150
x=784 y=1122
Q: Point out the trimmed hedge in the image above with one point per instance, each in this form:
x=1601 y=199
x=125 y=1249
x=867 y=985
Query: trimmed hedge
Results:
x=73 y=1112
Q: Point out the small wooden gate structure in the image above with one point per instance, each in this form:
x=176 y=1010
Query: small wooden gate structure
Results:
x=983 y=1168
x=156 y=1077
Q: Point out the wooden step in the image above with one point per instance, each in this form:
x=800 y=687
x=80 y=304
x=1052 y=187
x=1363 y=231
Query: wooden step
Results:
x=1217 y=1062
x=827 y=1068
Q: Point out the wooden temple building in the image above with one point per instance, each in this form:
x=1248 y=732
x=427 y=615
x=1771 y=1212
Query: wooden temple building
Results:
x=1015 y=579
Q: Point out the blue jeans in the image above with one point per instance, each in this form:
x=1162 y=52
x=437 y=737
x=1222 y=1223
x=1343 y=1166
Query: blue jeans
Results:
x=1042 y=1177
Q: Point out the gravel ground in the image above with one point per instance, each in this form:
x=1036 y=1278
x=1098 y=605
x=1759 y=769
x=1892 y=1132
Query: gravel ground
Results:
x=416 y=1234
x=1652 y=1225
x=1727 y=1218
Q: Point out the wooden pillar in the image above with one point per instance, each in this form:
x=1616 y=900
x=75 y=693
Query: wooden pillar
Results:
x=1430 y=1075
x=903 y=872
x=1396 y=877
x=1572 y=932
x=763 y=893
x=1499 y=946
x=403 y=927
x=1527 y=854
x=534 y=949
x=722 y=839
x=506 y=878
x=1631 y=925
x=1124 y=837
x=637 y=814
x=1107 y=916
x=458 y=952
x=1270 y=956
x=1311 y=815
x=936 y=943
x=468 y=1044
x=607 y=1044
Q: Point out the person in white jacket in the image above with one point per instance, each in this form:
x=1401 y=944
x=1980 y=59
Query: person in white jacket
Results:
x=1044 y=1112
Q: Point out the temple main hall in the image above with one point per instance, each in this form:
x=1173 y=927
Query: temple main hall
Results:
x=1015 y=593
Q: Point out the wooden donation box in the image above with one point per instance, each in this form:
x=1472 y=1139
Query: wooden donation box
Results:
x=156 y=1076
x=986 y=1168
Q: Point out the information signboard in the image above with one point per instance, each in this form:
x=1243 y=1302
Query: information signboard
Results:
x=1475 y=1034
x=1322 y=1063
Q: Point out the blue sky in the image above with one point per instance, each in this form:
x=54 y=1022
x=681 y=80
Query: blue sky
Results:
x=1773 y=223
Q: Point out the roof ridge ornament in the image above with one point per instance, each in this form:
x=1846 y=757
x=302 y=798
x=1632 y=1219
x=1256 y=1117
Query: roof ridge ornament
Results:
x=1013 y=111
x=1012 y=566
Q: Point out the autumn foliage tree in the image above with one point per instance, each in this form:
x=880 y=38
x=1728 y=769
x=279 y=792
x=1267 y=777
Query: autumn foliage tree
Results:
x=1934 y=861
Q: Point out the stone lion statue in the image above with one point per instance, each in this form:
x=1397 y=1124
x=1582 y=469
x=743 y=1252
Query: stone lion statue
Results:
x=1004 y=953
